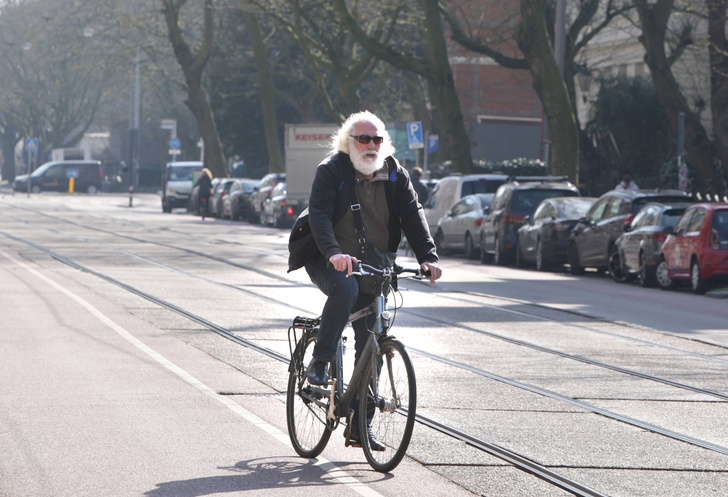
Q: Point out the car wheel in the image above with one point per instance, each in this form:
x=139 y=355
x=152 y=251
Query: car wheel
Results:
x=614 y=264
x=542 y=264
x=484 y=255
x=699 y=284
x=35 y=189
x=576 y=267
x=469 y=247
x=519 y=257
x=500 y=257
x=91 y=190
x=663 y=279
x=440 y=242
x=647 y=274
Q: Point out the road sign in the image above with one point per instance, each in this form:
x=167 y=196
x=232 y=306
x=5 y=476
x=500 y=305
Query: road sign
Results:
x=31 y=145
x=174 y=143
x=414 y=134
x=433 y=143
x=169 y=124
x=71 y=173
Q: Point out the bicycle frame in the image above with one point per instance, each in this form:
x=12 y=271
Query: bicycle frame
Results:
x=371 y=349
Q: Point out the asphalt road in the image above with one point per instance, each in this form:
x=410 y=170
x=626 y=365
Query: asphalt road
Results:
x=105 y=392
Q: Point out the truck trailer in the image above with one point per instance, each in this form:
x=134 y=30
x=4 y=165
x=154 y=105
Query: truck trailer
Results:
x=306 y=146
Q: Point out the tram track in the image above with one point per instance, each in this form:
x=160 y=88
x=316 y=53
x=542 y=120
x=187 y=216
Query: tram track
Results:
x=517 y=460
x=285 y=359
x=523 y=463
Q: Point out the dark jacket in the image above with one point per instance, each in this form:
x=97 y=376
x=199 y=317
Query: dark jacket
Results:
x=331 y=197
x=204 y=186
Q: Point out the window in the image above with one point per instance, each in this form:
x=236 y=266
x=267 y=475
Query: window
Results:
x=697 y=221
x=597 y=212
x=682 y=225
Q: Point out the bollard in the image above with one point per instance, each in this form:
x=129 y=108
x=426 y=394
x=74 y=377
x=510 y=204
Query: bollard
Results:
x=71 y=184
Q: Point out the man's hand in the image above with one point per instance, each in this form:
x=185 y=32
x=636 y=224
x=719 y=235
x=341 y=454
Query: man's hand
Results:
x=434 y=269
x=342 y=262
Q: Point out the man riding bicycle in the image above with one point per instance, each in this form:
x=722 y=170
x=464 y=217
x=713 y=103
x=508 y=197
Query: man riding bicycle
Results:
x=360 y=167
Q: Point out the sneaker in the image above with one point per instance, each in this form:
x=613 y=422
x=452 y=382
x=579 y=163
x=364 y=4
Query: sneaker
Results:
x=354 y=440
x=317 y=373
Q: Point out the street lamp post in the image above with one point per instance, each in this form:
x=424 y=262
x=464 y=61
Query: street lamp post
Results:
x=134 y=131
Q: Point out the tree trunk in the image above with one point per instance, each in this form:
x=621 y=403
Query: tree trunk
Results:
x=192 y=67
x=654 y=21
x=8 y=138
x=534 y=41
x=435 y=67
x=267 y=96
x=717 y=47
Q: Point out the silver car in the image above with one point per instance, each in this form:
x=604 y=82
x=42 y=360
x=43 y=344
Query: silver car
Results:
x=457 y=231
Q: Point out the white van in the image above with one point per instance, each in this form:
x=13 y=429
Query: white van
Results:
x=451 y=189
x=177 y=183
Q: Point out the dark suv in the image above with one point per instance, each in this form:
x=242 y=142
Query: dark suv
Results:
x=514 y=200
x=54 y=176
x=591 y=242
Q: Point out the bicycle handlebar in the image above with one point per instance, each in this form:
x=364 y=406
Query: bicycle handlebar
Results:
x=363 y=269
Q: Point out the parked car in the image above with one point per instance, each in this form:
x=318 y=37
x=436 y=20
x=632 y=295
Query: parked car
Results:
x=696 y=250
x=513 y=201
x=591 y=242
x=54 y=177
x=450 y=189
x=219 y=192
x=638 y=248
x=236 y=203
x=543 y=239
x=275 y=210
x=262 y=192
x=457 y=231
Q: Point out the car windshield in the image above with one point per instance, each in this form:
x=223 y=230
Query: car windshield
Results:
x=525 y=201
x=638 y=203
x=41 y=170
x=248 y=186
x=479 y=186
x=575 y=208
x=670 y=217
x=182 y=173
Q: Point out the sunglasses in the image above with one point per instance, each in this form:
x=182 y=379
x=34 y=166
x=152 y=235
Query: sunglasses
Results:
x=365 y=139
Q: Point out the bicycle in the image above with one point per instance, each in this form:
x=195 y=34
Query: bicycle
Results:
x=383 y=383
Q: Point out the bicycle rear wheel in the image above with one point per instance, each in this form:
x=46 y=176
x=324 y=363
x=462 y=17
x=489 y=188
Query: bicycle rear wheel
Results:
x=391 y=393
x=306 y=408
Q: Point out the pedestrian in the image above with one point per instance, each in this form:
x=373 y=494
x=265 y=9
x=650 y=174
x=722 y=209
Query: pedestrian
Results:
x=204 y=189
x=423 y=193
x=627 y=184
x=360 y=164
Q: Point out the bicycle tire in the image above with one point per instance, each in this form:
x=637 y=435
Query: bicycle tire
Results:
x=306 y=418
x=394 y=409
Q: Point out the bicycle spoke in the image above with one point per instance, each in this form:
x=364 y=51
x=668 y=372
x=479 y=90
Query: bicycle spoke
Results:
x=394 y=408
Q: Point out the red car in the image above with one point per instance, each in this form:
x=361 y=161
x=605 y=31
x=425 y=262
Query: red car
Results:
x=696 y=250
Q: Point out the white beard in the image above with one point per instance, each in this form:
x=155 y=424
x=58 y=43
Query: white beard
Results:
x=368 y=162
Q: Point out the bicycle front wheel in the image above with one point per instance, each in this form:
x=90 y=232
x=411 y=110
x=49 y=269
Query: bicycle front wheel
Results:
x=306 y=408
x=389 y=398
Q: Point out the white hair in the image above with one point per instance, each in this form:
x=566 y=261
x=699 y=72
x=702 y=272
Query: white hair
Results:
x=340 y=139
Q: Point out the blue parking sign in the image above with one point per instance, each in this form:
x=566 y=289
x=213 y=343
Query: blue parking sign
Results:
x=414 y=134
x=433 y=143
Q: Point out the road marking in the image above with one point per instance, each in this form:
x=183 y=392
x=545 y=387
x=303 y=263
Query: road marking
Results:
x=337 y=474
